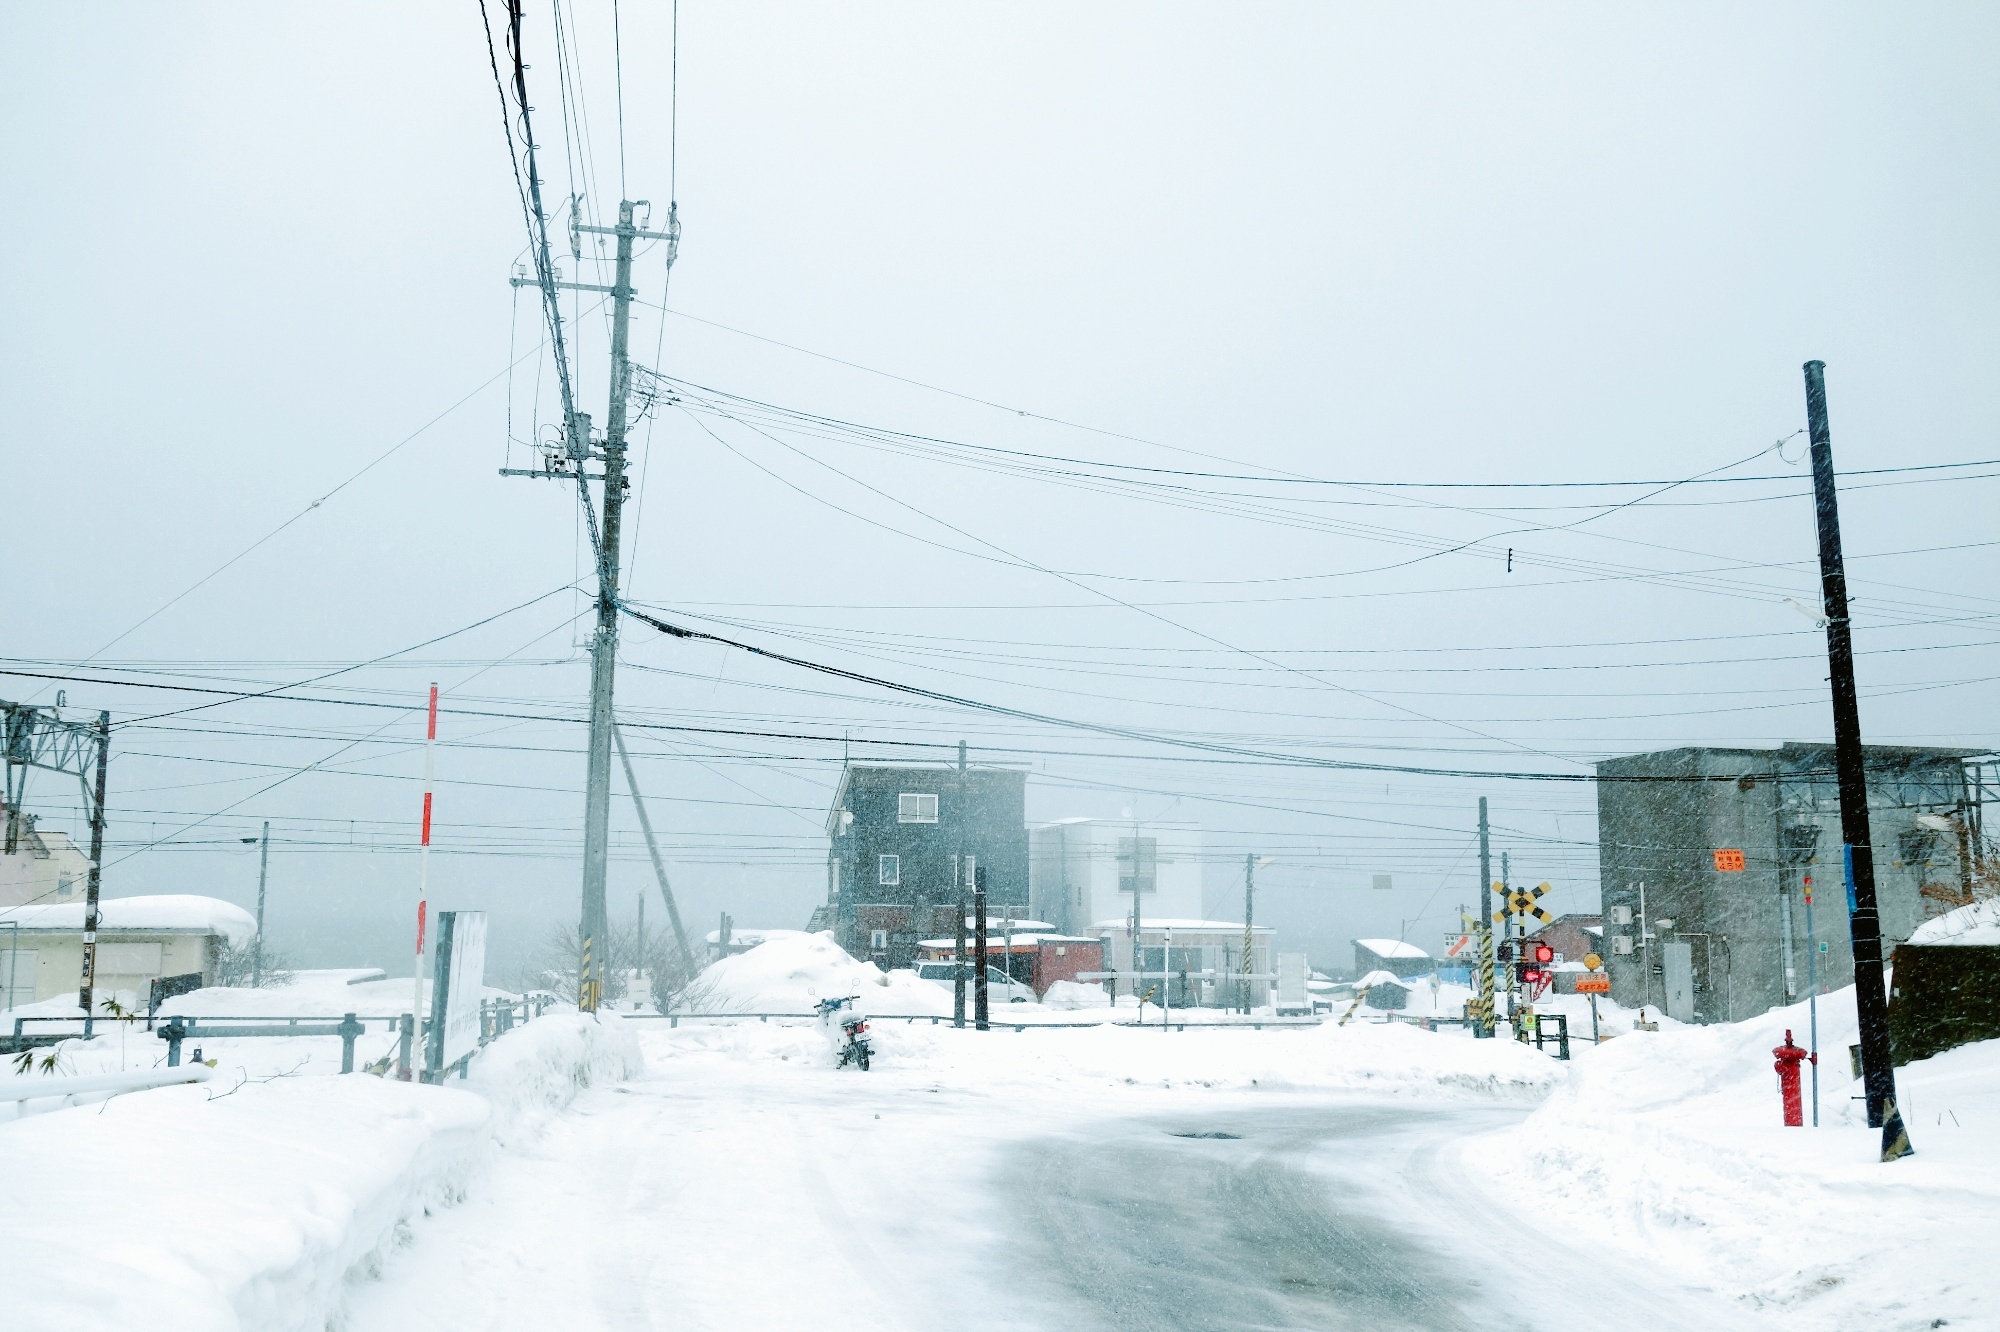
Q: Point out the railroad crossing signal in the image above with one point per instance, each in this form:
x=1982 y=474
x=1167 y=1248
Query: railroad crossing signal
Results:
x=1516 y=902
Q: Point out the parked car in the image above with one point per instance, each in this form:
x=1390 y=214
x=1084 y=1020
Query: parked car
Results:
x=999 y=985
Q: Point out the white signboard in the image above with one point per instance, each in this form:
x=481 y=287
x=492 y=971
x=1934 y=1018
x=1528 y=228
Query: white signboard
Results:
x=459 y=985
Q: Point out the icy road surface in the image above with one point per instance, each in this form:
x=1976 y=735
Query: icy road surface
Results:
x=744 y=1184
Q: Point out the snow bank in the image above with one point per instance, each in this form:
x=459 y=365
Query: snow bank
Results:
x=164 y=911
x=1672 y=1144
x=1978 y=923
x=791 y=975
x=1390 y=1059
x=1070 y=996
x=252 y=1203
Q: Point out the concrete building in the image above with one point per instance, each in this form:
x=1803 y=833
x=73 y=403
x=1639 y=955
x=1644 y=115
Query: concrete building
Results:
x=1083 y=871
x=138 y=940
x=45 y=867
x=897 y=832
x=1704 y=854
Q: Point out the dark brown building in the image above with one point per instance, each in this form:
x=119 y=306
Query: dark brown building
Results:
x=900 y=834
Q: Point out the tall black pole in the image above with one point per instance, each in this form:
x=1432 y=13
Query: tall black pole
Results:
x=958 y=953
x=1871 y=1004
x=979 y=1000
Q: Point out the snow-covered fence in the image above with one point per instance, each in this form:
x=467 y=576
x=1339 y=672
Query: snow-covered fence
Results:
x=67 y=1089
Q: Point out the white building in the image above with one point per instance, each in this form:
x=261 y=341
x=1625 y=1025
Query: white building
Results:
x=138 y=940
x=1083 y=871
x=1084 y=876
x=45 y=867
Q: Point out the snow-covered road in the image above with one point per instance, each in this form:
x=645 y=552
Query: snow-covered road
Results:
x=743 y=1183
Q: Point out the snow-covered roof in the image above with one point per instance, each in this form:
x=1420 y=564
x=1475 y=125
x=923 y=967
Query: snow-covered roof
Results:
x=1148 y=924
x=1975 y=924
x=1391 y=948
x=166 y=911
x=1374 y=978
x=751 y=938
x=997 y=941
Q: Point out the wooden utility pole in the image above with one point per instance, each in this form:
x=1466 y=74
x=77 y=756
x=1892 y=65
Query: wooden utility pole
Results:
x=1871 y=1002
x=1482 y=939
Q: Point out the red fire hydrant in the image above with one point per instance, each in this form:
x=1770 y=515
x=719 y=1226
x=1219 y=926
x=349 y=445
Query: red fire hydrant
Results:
x=1789 y=1058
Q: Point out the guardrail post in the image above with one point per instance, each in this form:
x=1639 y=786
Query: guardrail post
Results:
x=1562 y=1030
x=349 y=1029
x=408 y=1025
x=173 y=1033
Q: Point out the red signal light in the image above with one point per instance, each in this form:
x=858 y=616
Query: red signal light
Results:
x=1544 y=953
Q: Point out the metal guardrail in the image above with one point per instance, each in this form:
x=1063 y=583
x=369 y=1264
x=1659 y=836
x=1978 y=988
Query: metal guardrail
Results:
x=496 y=1017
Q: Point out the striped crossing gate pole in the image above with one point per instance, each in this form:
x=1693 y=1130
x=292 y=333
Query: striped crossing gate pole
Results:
x=424 y=863
x=1482 y=997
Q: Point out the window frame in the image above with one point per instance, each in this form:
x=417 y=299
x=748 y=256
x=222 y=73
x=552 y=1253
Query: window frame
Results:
x=889 y=870
x=904 y=807
x=878 y=941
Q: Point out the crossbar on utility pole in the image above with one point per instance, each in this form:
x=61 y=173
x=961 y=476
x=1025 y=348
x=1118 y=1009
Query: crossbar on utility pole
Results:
x=1871 y=1001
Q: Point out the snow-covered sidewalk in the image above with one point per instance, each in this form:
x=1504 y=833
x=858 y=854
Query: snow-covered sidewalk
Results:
x=1671 y=1145
x=254 y=1200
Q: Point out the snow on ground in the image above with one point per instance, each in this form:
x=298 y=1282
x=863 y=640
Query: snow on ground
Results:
x=1672 y=1145
x=1393 y=1058
x=253 y=1201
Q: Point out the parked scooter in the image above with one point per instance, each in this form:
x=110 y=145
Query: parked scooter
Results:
x=851 y=1044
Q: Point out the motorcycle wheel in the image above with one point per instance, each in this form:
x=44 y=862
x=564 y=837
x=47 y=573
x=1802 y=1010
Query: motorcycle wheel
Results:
x=863 y=1057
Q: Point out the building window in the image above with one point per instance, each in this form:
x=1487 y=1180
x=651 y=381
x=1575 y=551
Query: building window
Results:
x=891 y=871
x=1138 y=864
x=914 y=808
x=878 y=940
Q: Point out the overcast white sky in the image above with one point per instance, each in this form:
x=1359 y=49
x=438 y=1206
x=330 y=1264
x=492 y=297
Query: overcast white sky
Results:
x=248 y=249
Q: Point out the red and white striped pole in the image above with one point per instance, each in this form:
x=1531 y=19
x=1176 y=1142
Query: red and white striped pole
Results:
x=423 y=875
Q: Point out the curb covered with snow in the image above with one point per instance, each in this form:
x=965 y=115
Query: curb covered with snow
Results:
x=207 y=1208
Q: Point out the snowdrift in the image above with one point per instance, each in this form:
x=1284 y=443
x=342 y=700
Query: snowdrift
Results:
x=792 y=974
x=251 y=1204
x=1672 y=1144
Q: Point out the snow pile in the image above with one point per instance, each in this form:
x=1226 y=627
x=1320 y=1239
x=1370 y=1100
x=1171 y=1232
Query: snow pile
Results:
x=1672 y=1144
x=252 y=1202
x=1071 y=996
x=1978 y=923
x=791 y=975
x=165 y=911
x=1393 y=1059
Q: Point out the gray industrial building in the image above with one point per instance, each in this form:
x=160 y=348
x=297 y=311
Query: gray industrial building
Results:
x=1704 y=856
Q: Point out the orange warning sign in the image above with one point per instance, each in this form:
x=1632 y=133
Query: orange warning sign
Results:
x=1729 y=861
x=1595 y=982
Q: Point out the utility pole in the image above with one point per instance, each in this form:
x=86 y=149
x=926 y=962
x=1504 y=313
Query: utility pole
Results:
x=1249 y=900
x=980 y=1011
x=1864 y=919
x=959 y=876
x=86 y=995
x=263 y=874
x=1482 y=1006
x=609 y=449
